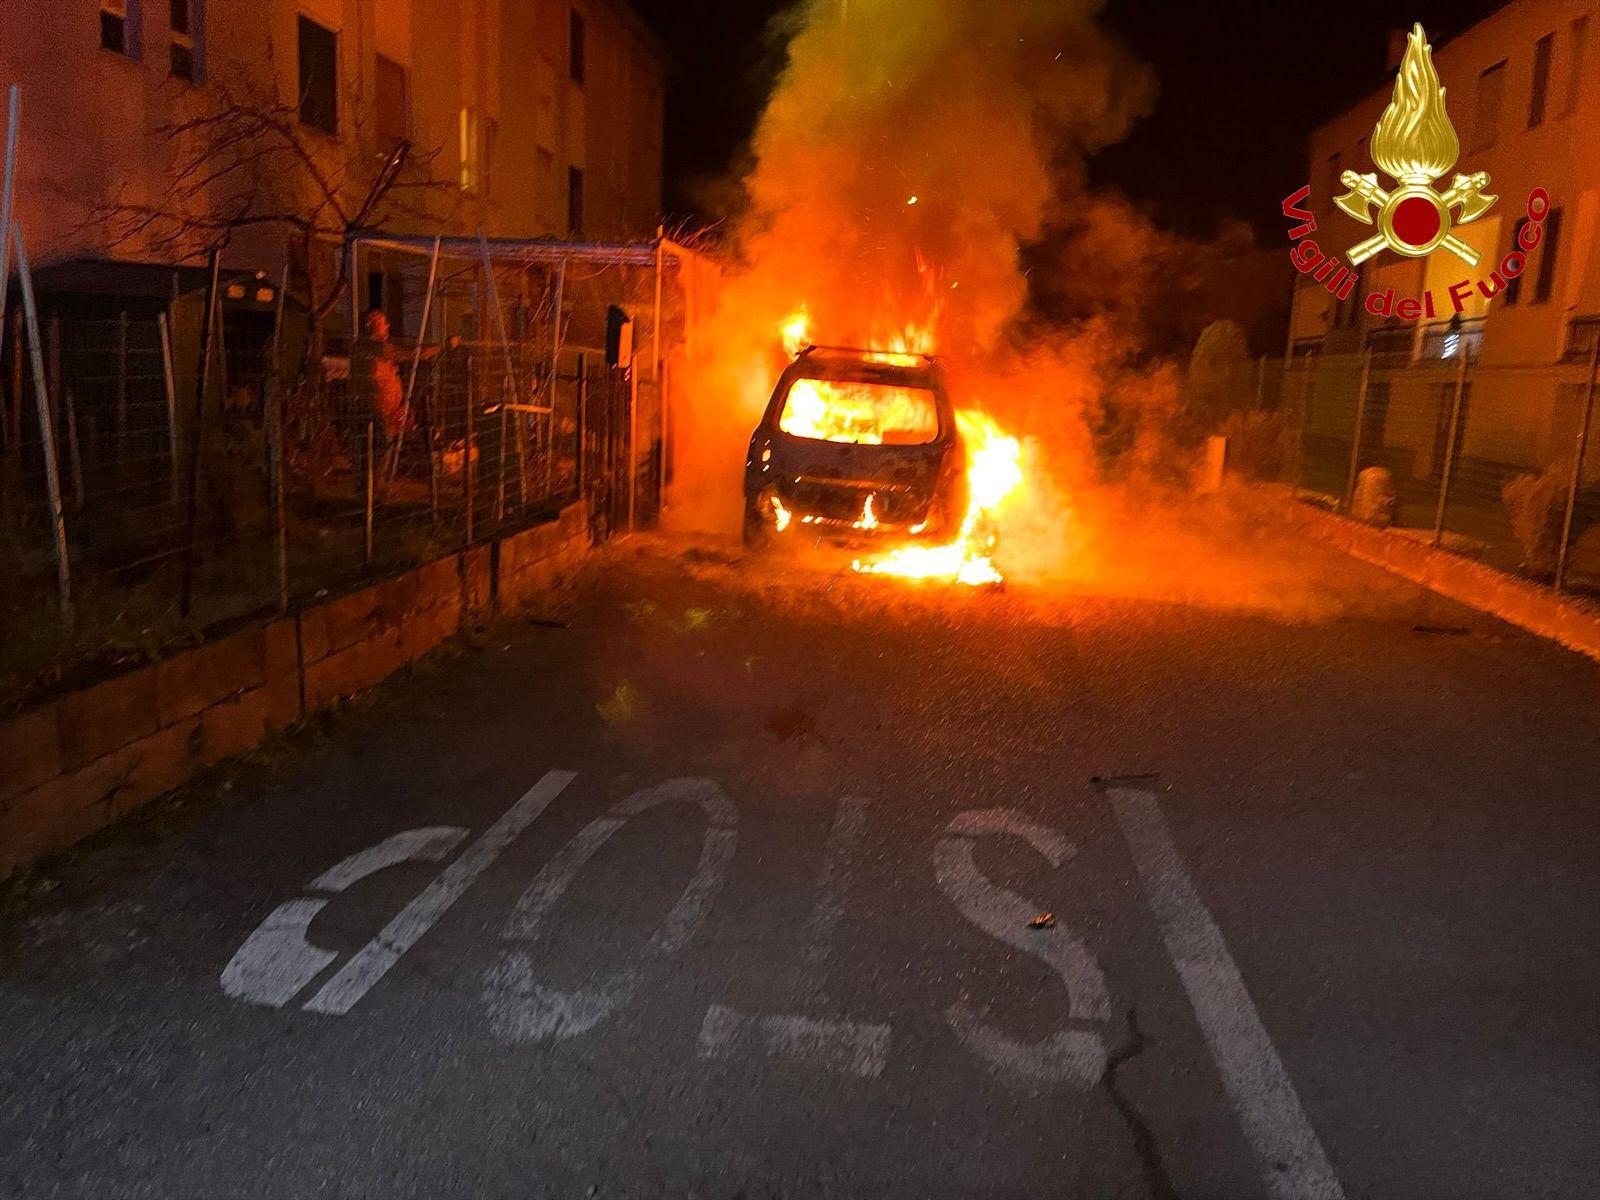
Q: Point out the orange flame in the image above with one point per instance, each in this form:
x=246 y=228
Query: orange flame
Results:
x=994 y=472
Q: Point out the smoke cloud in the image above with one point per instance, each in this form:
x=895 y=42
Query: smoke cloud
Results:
x=918 y=181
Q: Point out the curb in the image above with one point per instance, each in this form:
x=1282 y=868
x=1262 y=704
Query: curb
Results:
x=1572 y=622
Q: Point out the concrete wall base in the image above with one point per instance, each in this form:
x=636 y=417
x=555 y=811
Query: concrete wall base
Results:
x=71 y=767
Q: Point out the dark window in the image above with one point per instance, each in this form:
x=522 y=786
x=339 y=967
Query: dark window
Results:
x=1541 y=80
x=319 y=76
x=575 y=46
x=1546 y=281
x=113 y=31
x=186 y=53
x=119 y=26
x=393 y=103
x=375 y=291
x=1513 y=291
x=1491 y=86
x=574 y=200
x=1580 y=39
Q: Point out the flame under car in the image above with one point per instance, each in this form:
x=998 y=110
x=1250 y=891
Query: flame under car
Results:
x=855 y=446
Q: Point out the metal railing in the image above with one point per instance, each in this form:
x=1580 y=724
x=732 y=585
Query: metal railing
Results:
x=1487 y=459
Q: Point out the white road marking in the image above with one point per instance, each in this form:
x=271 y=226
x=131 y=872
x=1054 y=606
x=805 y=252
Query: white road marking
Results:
x=277 y=960
x=521 y=1007
x=849 y=1046
x=429 y=844
x=1290 y=1158
x=833 y=885
x=1074 y=1057
x=341 y=993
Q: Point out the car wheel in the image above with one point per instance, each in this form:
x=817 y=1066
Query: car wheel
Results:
x=756 y=532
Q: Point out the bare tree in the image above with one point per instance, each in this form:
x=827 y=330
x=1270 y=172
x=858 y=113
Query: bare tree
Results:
x=248 y=162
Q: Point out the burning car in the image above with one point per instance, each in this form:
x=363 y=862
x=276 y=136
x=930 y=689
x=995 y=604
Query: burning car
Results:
x=858 y=445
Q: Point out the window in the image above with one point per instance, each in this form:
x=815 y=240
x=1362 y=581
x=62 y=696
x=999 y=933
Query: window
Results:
x=471 y=150
x=1580 y=40
x=574 y=201
x=1546 y=282
x=392 y=104
x=575 y=47
x=1541 y=80
x=186 y=53
x=319 y=76
x=861 y=412
x=119 y=27
x=1513 y=292
x=1491 y=86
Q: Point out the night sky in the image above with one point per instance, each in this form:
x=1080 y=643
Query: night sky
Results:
x=1241 y=86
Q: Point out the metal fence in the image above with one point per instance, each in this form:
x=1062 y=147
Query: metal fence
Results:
x=1487 y=459
x=281 y=479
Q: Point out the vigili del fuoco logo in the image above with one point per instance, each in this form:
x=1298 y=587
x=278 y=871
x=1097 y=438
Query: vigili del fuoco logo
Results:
x=1414 y=144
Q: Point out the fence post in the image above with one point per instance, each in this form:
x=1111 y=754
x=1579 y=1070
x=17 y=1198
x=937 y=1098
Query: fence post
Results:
x=273 y=404
x=165 y=328
x=1450 y=447
x=1577 y=465
x=41 y=399
x=467 y=440
x=122 y=390
x=1300 y=412
x=272 y=401
x=202 y=384
x=7 y=188
x=1355 y=437
x=366 y=537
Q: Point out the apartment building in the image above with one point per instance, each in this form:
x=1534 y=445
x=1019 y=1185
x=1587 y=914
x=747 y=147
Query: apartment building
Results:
x=1523 y=92
x=527 y=118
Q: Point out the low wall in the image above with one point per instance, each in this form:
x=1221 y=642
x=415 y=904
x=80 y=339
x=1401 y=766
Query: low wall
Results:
x=71 y=767
x=1566 y=619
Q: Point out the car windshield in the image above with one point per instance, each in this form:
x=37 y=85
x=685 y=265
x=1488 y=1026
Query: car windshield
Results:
x=875 y=414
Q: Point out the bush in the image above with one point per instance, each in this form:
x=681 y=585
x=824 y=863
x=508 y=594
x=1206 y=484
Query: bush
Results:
x=1537 y=505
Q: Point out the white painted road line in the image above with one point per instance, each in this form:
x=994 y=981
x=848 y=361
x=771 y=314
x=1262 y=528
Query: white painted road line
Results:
x=521 y=1005
x=1067 y=1057
x=341 y=993
x=850 y=1046
x=833 y=885
x=857 y=1048
x=277 y=960
x=1291 y=1160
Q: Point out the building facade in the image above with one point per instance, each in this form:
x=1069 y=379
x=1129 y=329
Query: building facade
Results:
x=525 y=118
x=1523 y=93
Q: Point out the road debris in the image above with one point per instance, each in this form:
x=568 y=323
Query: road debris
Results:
x=1045 y=920
x=622 y=705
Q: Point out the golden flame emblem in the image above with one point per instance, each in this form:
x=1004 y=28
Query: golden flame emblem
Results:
x=1415 y=144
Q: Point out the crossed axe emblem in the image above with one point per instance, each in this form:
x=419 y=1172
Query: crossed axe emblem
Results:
x=1423 y=215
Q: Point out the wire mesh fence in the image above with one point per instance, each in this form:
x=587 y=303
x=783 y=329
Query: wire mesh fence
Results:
x=1491 y=460
x=221 y=455
x=289 y=474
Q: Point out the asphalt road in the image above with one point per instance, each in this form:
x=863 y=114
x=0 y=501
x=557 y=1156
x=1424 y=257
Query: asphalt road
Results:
x=717 y=879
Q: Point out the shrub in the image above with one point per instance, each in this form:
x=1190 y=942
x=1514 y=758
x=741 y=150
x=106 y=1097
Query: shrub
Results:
x=1537 y=504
